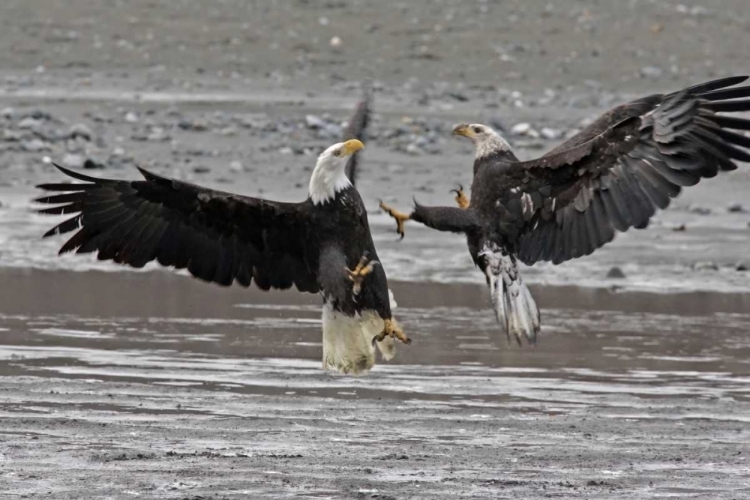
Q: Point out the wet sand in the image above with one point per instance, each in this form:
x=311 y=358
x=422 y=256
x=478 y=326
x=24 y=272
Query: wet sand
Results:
x=153 y=385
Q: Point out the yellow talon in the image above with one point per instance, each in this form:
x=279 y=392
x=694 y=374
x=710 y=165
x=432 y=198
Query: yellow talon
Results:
x=399 y=216
x=461 y=199
x=391 y=329
x=360 y=272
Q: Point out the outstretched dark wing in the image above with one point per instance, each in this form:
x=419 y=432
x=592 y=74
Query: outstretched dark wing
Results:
x=572 y=201
x=219 y=237
x=356 y=129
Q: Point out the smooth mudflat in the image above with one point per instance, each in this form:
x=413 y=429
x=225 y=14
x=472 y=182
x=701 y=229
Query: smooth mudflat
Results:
x=151 y=385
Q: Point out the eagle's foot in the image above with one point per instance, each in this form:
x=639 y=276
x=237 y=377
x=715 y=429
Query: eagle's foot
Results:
x=360 y=272
x=461 y=199
x=391 y=329
x=399 y=216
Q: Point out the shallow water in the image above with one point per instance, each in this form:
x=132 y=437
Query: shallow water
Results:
x=156 y=381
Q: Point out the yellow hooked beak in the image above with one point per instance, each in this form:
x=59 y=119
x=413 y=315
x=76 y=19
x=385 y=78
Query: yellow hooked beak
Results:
x=351 y=147
x=463 y=130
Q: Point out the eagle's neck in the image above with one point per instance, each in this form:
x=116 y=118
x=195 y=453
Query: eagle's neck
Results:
x=491 y=145
x=325 y=182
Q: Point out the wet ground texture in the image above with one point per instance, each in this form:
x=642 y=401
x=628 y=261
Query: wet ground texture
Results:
x=163 y=387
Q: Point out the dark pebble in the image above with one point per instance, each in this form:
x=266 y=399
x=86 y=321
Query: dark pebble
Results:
x=90 y=164
x=616 y=273
x=700 y=211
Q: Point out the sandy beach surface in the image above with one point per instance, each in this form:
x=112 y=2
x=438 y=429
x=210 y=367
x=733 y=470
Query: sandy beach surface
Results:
x=119 y=384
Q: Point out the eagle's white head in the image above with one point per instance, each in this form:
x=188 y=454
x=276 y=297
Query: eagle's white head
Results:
x=329 y=176
x=486 y=140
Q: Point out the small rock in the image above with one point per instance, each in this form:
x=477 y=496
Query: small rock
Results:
x=335 y=42
x=30 y=123
x=90 y=164
x=705 y=266
x=314 y=122
x=741 y=266
x=193 y=125
x=75 y=145
x=520 y=128
x=550 y=133
x=34 y=145
x=12 y=135
x=700 y=210
x=73 y=161
x=40 y=115
x=201 y=170
x=236 y=166
x=681 y=227
x=8 y=113
x=654 y=72
x=131 y=117
x=615 y=273
x=80 y=130
x=413 y=149
x=157 y=134
x=459 y=96
x=736 y=209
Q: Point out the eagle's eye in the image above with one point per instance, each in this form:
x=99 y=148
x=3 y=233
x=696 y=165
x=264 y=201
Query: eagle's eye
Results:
x=337 y=152
x=477 y=130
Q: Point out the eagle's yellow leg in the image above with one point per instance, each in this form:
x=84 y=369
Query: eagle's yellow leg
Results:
x=360 y=272
x=461 y=199
x=391 y=329
x=399 y=216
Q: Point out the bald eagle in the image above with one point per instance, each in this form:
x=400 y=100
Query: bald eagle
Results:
x=320 y=245
x=611 y=176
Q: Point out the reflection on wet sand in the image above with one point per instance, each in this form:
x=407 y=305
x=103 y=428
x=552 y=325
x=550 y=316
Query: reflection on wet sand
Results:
x=148 y=369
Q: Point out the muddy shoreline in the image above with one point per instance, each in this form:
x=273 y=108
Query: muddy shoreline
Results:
x=114 y=385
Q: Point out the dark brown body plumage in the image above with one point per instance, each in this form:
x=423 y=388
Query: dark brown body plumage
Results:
x=612 y=176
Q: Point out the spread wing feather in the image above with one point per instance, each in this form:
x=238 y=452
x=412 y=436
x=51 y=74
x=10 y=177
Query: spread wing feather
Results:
x=218 y=237
x=631 y=162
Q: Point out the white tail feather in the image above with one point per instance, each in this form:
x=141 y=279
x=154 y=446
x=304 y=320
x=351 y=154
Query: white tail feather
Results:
x=514 y=306
x=347 y=340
